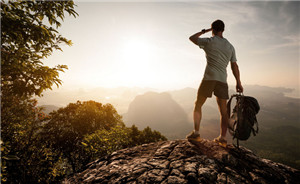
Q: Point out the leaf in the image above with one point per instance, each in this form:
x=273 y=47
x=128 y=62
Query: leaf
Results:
x=41 y=17
x=84 y=144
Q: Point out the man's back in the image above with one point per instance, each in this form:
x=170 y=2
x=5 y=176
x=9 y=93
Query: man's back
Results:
x=218 y=53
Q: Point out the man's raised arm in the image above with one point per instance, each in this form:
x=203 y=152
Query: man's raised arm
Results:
x=236 y=73
x=194 y=37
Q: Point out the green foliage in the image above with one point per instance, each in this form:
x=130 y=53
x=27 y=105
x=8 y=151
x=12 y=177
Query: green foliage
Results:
x=68 y=126
x=84 y=131
x=26 y=40
x=143 y=137
x=148 y=136
x=22 y=150
x=104 y=142
x=85 y=117
x=49 y=148
x=27 y=37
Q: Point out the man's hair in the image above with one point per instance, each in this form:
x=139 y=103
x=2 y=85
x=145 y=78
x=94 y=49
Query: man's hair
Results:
x=218 y=26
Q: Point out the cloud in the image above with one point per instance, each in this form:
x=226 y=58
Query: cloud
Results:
x=267 y=25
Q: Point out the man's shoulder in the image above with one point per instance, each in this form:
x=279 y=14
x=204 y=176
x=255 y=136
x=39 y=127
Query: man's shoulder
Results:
x=228 y=42
x=203 y=42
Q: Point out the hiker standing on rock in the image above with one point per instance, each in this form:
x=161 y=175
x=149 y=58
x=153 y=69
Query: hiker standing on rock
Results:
x=218 y=53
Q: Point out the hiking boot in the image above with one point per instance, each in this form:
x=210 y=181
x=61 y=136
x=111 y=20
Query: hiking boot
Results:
x=221 y=141
x=193 y=136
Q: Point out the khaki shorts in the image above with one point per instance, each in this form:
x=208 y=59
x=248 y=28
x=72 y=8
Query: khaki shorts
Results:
x=207 y=87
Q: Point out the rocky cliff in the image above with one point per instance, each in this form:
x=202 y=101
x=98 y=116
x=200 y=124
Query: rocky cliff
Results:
x=182 y=162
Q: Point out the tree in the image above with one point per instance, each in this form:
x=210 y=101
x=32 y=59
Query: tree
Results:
x=28 y=35
x=27 y=40
x=84 y=131
x=25 y=158
x=135 y=136
x=138 y=137
x=104 y=142
x=147 y=136
x=68 y=126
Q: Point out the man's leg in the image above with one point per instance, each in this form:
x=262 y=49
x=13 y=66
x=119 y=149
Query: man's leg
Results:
x=198 y=112
x=205 y=90
x=224 y=116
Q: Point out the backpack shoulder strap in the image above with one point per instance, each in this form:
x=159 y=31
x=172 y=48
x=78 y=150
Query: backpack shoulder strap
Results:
x=229 y=105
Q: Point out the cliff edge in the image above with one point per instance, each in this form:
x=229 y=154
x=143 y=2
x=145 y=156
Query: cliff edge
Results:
x=181 y=161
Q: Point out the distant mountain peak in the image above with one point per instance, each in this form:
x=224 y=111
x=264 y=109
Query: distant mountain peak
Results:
x=160 y=112
x=182 y=162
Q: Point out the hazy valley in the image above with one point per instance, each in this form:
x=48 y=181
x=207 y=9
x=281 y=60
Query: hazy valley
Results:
x=170 y=113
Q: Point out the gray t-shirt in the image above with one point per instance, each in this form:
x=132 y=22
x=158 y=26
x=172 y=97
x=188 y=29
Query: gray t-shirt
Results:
x=218 y=54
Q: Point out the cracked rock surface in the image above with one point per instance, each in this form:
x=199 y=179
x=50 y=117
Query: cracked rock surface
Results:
x=180 y=162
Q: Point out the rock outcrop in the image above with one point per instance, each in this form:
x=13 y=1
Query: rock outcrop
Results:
x=182 y=162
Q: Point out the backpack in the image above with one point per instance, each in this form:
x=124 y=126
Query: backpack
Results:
x=243 y=118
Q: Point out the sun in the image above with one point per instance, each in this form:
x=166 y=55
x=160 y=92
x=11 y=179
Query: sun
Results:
x=136 y=62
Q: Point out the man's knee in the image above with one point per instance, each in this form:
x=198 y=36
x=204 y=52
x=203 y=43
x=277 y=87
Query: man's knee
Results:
x=199 y=103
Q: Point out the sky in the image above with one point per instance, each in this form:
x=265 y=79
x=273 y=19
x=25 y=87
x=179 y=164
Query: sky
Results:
x=146 y=44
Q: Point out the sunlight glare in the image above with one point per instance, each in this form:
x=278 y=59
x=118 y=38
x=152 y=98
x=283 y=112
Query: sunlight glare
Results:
x=136 y=62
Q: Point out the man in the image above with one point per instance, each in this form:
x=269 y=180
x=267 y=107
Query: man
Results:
x=218 y=54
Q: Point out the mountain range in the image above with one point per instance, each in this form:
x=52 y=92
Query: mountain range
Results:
x=170 y=113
